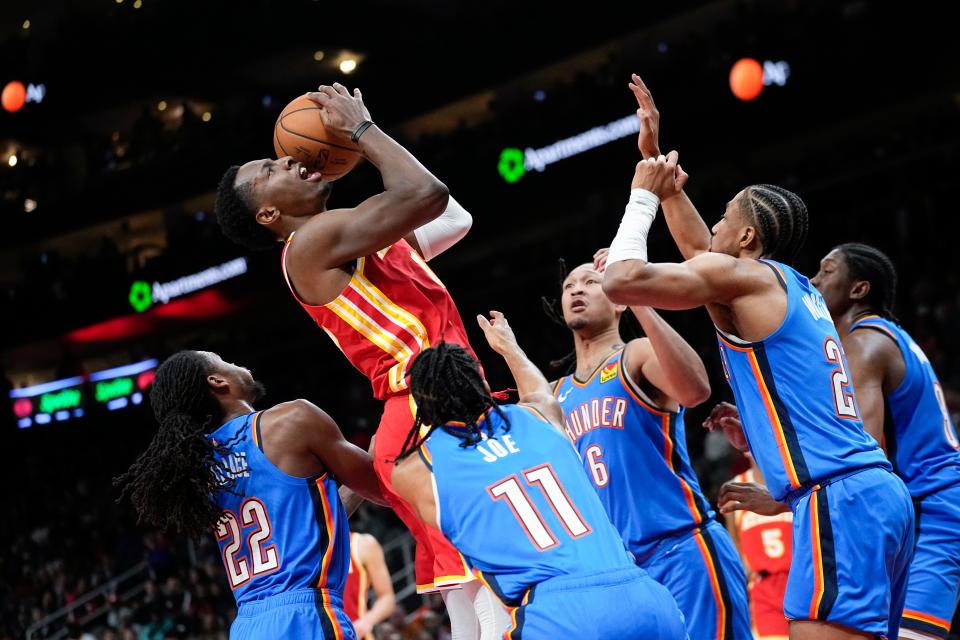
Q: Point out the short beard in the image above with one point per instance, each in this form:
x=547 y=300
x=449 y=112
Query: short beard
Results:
x=257 y=391
x=577 y=323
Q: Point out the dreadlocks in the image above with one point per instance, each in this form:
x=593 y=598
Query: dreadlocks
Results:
x=447 y=386
x=173 y=482
x=236 y=214
x=782 y=218
x=868 y=263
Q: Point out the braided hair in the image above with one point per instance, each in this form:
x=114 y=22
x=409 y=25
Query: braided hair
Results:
x=782 y=219
x=448 y=387
x=869 y=263
x=173 y=483
x=236 y=214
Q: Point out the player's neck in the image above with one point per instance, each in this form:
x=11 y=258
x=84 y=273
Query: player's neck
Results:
x=235 y=409
x=594 y=348
x=851 y=315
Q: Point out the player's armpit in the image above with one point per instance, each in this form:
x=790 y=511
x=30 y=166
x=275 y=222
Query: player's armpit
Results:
x=349 y=464
x=412 y=482
x=704 y=279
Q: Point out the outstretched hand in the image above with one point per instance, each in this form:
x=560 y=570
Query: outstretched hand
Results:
x=726 y=417
x=661 y=175
x=649 y=138
x=600 y=259
x=340 y=111
x=498 y=332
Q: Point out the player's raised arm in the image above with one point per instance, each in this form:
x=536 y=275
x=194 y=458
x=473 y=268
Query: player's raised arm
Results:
x=686 y=226
x=629 y=279
x=348 y=463
x=668 y=361
x=440 y=234
x=532 y=386
x=411 y=195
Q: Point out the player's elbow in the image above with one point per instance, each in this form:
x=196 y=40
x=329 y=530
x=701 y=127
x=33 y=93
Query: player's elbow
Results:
x=432 y=200
x=621 y=285
x=697 y=393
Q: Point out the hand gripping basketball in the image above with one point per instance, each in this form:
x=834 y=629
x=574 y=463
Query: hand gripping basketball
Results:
x=340 y=112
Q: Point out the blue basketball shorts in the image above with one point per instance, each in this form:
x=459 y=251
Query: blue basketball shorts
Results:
x=702 y=571
x=307 y=614
x=934 y=583
x=625 y=604
x=852 y=546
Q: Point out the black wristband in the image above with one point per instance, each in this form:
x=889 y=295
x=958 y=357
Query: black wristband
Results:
x=363 y=126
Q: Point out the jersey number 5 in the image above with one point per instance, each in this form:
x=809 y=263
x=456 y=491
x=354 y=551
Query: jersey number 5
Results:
x=265 y=558
x=842 y=398
x=525 y=510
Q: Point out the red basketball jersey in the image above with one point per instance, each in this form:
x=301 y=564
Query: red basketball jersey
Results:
x=393 y=308
x=766 y=542
x=357 y=586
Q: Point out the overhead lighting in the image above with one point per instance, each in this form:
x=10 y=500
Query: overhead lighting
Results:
x=26 y=25
x=29 y=205
x=206 y=116
x=137 y=4
x=119 y=1
x=318 y=55
x=162 y=105
x=12 y=160
x=348 y=65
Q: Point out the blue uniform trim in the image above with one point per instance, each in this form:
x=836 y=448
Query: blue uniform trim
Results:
x=318 y=513
x=789 y=432
x=703 y=510
x=923 y=627
x=722 y=582
x=828 y=561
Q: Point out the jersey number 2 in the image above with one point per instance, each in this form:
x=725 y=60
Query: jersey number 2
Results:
x=842 y=399
x=265 y=559
x=525 y=510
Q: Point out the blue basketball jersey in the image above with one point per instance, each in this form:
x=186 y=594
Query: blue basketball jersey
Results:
x=795 y=397
x=518 y=505
x=635 y=453
x=280 y=533
x=918 y=433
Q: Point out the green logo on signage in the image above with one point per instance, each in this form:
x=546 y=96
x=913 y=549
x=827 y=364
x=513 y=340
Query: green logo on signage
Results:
x=141 y=297
x=66 y=399
x=116 y=388
x=511 y=164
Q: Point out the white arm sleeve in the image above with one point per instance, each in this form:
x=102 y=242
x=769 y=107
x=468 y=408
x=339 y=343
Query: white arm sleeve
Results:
x=440 y=234
x=630 y=243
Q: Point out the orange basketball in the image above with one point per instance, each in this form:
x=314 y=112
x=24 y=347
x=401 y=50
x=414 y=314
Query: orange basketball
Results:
x=299 y=133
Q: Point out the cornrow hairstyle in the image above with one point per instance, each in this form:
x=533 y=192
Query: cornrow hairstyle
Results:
x=869 y=263
x=236 y=214
x=782 y=219
x=173 y=484
x=447 y=387
x=567 y=364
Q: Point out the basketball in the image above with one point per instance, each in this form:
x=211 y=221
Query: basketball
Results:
x=299 y=133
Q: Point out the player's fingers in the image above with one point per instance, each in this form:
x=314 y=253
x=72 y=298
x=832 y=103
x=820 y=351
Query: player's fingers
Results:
x=319 y=97
x=342 y=90
x=731 y=506
x=327 y=90
x=672 y=158
x=357 y=94
x=730 y=422
x=483 y=322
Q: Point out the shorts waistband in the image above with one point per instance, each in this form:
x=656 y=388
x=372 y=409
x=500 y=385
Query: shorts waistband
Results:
x=672 y=537
x=587 y=579
x=300 y=596
x=814 y=485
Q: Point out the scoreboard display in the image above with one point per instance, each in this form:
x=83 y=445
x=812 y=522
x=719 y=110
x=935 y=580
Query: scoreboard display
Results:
x=70 y=398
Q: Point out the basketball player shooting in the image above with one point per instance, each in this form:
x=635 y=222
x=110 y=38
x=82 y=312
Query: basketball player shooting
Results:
x=361 y=274
x=853 y=518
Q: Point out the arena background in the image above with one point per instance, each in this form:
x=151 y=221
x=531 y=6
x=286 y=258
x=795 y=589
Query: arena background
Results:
x=132 y=109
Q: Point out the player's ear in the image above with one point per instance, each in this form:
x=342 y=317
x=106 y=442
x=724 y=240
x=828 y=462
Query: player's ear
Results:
x=749 y=236
x=217 y=382
x=267 y=215
x=859 y=289
x=620 y=308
